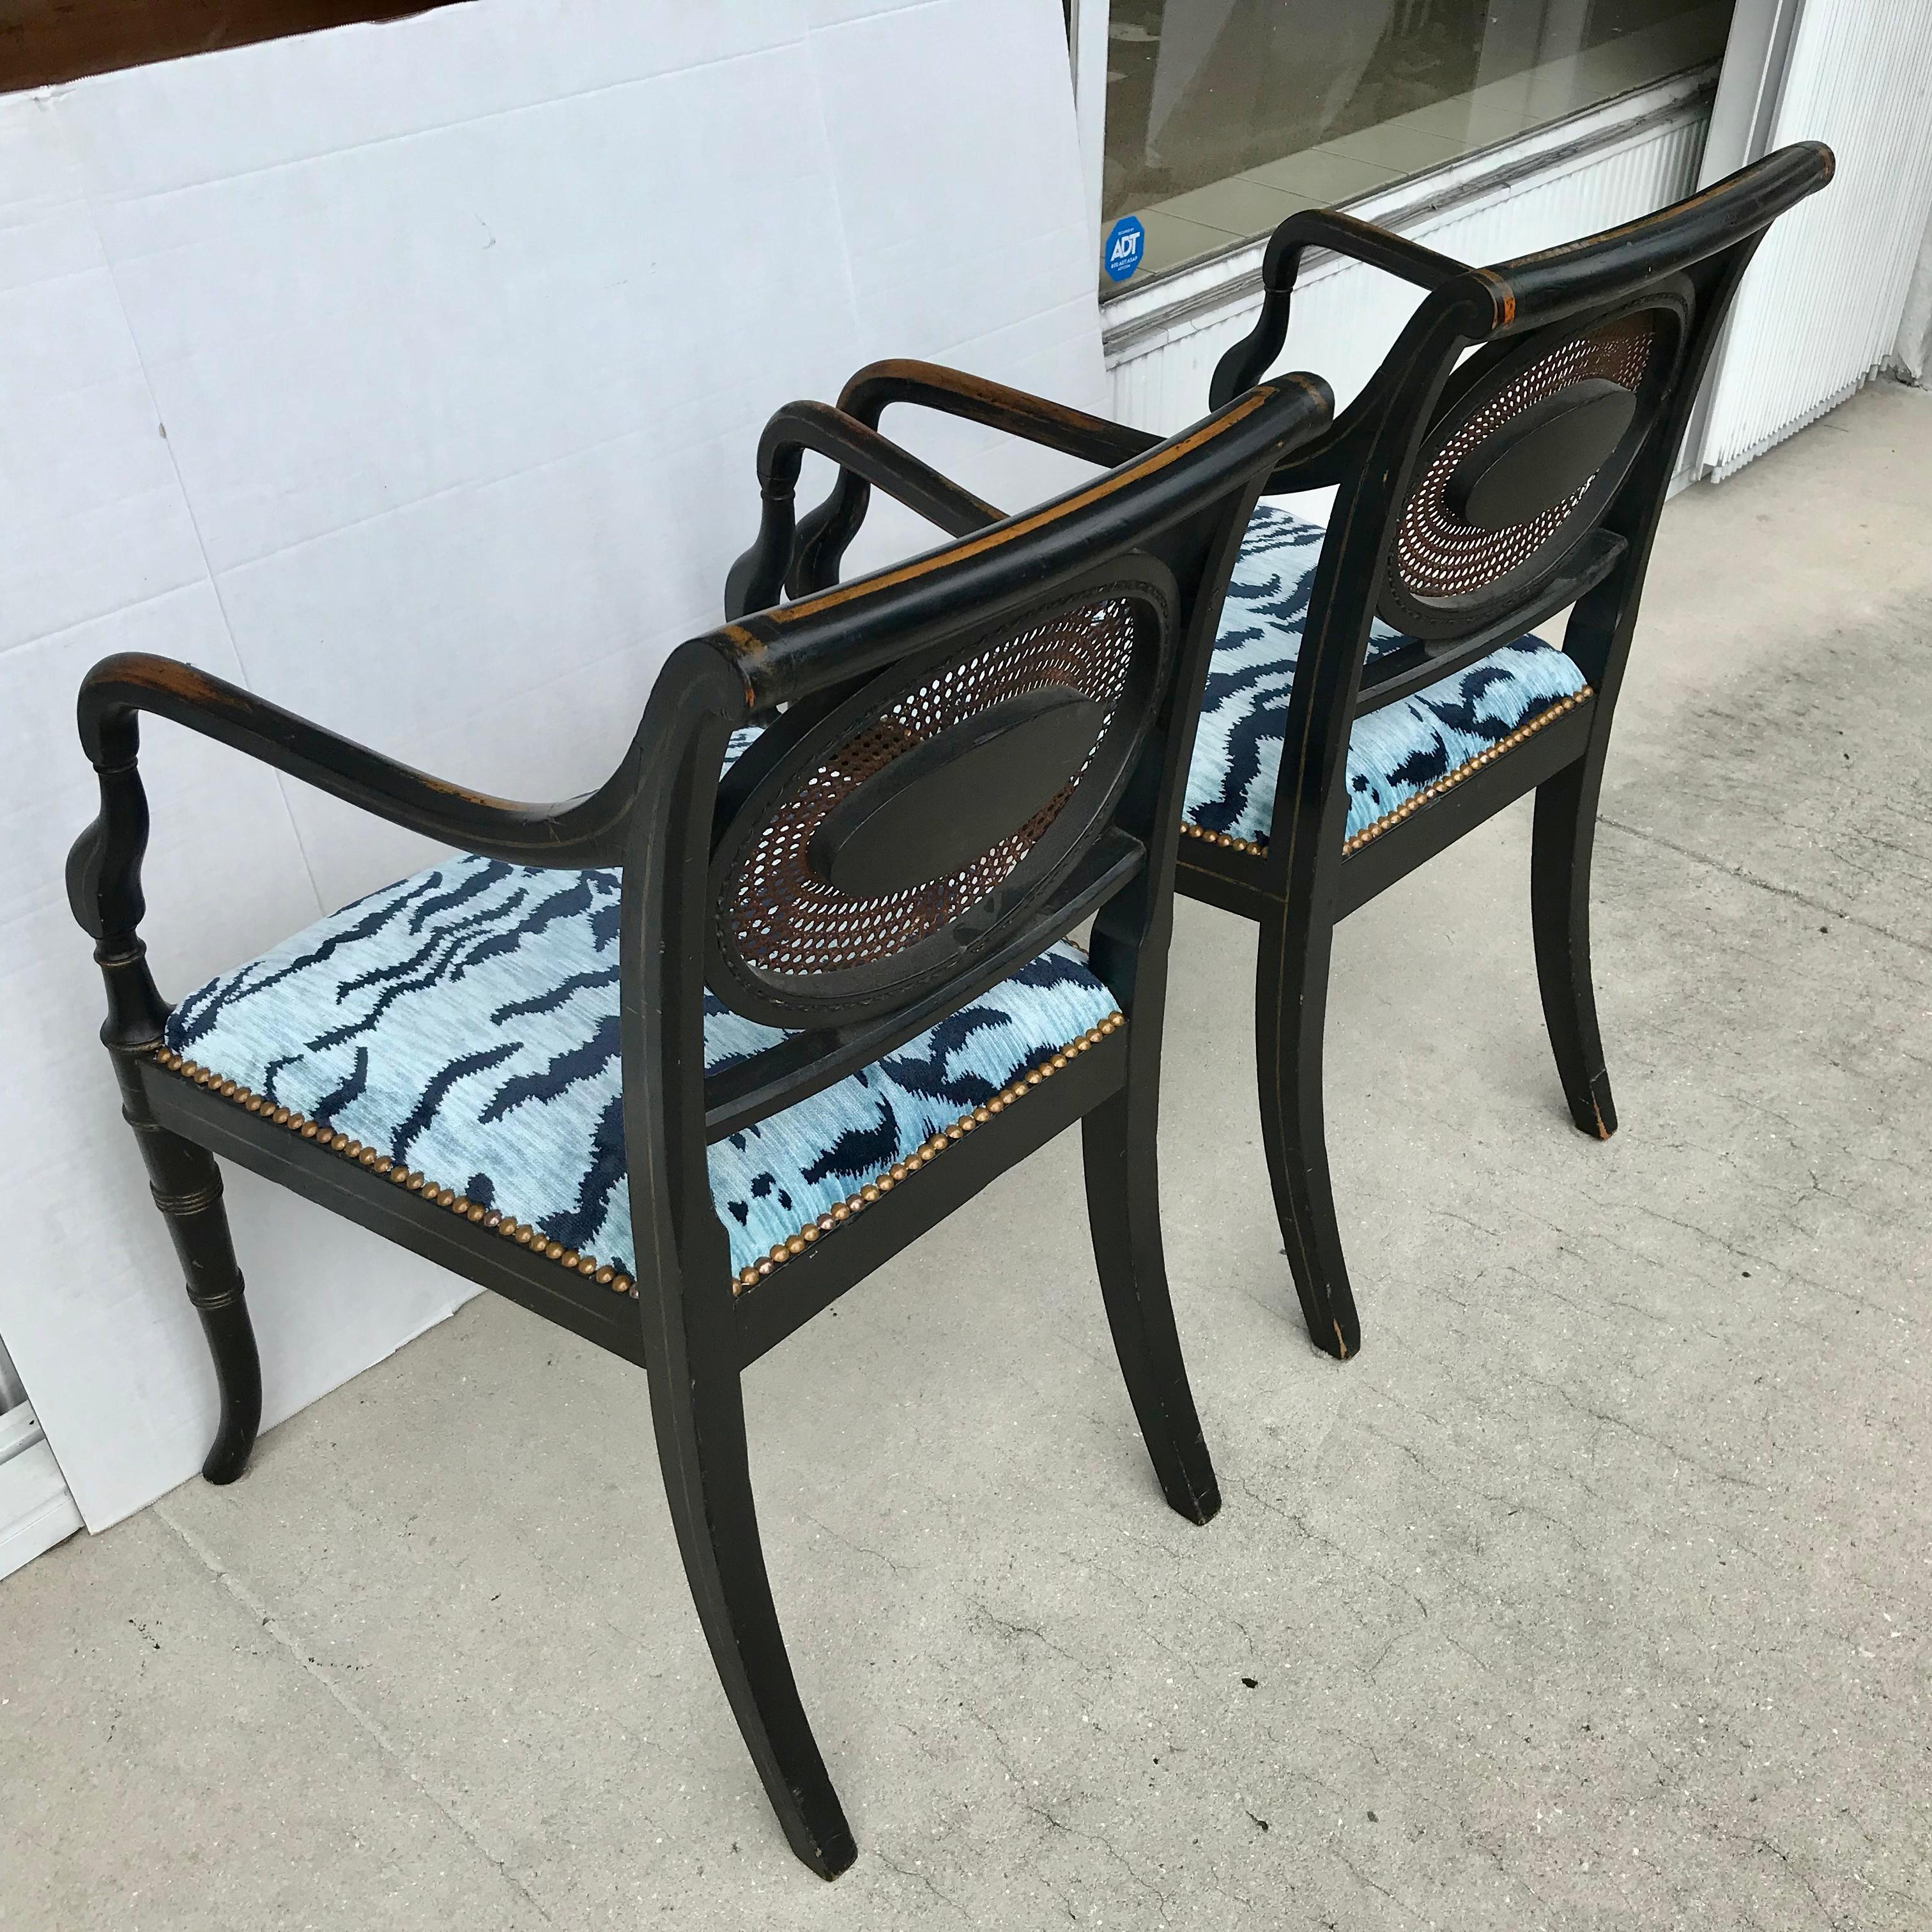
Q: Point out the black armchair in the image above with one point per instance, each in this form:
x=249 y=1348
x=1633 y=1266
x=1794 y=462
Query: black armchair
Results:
x=1373 y=694
x=680 y=1108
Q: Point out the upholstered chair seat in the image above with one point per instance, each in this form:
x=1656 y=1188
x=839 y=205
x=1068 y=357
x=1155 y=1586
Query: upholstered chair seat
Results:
x=462 y=1027
x=1395 y=754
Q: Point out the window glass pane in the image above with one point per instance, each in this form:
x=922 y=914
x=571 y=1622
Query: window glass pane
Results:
x=44 y=41
x=1226 y=116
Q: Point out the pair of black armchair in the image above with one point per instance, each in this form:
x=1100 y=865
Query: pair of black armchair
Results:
x=677 y=1063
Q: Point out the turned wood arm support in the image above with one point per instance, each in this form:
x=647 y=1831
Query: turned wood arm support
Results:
x=1251 y=358
x=757 y=580
x=825 y=533
x=103 y=870
x=1328 y=458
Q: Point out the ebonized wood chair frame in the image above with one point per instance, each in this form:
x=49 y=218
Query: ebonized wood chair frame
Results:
x=1303 y=878
x=1181 y=508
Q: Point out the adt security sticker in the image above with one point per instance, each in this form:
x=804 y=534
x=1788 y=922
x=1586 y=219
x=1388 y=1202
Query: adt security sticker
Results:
x=1127 y=242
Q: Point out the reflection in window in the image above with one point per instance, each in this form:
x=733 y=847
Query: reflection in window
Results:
x=1226 y=116
x=42 y=42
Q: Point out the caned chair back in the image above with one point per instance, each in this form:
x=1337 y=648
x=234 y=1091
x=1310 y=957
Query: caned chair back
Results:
x=967 y=757
x=1509 y=459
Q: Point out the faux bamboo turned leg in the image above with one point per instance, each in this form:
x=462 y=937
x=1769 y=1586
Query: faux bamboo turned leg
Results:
x=187 y=1187
x=1290 y=1000
x=1559 y=899
x=103 y=885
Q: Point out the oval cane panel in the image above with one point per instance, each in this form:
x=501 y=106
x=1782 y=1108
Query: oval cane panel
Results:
x=1437 y=553
x=1450 y=573
x=780 y=914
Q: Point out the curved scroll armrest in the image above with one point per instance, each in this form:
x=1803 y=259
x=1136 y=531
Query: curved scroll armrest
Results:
x=104 y=869
x=1251 y=358
x=931 y=386
x=758 y=578
x=825 y=534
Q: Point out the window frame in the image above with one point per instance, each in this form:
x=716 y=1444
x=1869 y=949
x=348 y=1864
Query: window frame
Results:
x=1137 y=308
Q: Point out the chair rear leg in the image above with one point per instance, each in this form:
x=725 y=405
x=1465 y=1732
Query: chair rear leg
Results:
x=1123 y=1210
x=1559 y=900
x=700 y=1430
x=1291 y=1003
x=187 y=1187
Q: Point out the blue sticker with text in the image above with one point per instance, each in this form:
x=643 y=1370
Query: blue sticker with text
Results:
x=1127 y=242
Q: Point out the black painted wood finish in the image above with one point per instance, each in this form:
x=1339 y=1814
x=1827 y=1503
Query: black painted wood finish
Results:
x=1166 y=526
x=1304 y=880
x=758 y=578
x=1550 y=450
x=1466 y=365
x=963 y=790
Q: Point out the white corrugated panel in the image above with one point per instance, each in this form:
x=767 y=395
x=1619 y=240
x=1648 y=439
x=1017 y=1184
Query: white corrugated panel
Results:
x=1818 y=313
x=36 y=1509
x=1346 y=315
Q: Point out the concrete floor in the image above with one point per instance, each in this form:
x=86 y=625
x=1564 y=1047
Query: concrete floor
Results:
x=1595 y=1594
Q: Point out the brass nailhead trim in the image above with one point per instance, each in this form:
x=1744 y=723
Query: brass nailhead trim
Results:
x=353 y=1151
x=492 y=1222
x=930 y=1150
x=1250 y=849
x=1449 y=780
x=1246 y=847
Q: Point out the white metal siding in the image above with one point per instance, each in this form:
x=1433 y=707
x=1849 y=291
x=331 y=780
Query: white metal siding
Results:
x=1346 y=315
x=1818 y=313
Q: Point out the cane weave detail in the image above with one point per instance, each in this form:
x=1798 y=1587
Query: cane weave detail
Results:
x=1437 y=553
x=783 y=916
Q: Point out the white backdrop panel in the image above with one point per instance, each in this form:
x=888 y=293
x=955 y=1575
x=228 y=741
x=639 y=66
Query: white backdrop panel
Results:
x=411 y=375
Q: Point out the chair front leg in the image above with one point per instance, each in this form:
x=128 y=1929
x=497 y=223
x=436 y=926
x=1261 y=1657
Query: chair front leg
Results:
x=1559 y=899
x=103 y=882
x=1123 y=1210
x=187 y=1186
x=699 y=1421
x=1290 y=1015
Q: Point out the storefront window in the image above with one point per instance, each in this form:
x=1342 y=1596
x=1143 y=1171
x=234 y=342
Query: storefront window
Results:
x=42 y=42
x=1226 y=116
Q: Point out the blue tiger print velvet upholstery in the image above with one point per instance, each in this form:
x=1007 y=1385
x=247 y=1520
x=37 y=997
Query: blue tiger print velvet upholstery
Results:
x=1394 y=754
x=465 y=1022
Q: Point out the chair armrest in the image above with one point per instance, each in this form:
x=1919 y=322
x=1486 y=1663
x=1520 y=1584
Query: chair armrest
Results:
x=757 y=579
x=931 y=386
x=825 y=534
x=103 y=868
x=1251 y=358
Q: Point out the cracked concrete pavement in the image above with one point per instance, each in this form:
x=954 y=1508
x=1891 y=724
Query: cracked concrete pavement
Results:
x=1595 y=1594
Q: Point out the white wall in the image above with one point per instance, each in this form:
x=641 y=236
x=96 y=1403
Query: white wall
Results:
x=410 y=375
x=1914 y=346
x=12 y=1391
